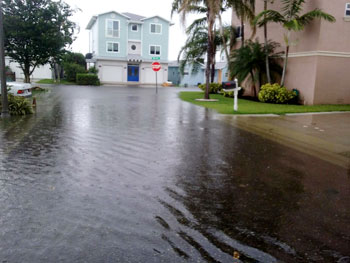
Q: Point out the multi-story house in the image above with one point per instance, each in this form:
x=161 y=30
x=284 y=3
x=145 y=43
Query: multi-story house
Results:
x=319 y=60
x=124 y=45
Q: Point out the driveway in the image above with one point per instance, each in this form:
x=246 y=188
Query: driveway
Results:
x=113 y=174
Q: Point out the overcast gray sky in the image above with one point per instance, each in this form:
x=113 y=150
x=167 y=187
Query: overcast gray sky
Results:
x=141 y=7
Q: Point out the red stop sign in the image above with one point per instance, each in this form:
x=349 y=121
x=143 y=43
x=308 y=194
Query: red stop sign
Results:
x=156 y=66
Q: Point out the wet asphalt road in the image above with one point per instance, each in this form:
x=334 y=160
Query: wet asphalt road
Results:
x=106 y=174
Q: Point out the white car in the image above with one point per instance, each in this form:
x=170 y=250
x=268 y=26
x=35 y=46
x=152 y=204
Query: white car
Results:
x=19 y=89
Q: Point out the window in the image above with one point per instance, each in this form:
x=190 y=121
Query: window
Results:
x=134 y=27
x=154 y=50
x=113 y=47
x=112 y=28
x=133 y=47
x=156 y=28
x=347 y=10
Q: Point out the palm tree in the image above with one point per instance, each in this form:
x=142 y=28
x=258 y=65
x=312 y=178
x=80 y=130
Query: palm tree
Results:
x=249 y=62
x=195 y=48
x=212 y=8
x=291 y=20
x=268 y=75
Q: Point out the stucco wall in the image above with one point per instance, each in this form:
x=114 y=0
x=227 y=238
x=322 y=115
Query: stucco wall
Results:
x=333 y=81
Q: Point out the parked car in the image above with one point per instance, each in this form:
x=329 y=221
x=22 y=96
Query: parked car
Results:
x=19 y=89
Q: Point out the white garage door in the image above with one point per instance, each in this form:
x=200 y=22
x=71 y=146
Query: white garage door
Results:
x=150 y=76
x=112 y=73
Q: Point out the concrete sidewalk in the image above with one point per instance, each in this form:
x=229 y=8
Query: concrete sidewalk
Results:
x=326 y=136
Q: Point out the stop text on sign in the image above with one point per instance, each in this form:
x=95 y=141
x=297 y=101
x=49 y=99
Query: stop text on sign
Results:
x=156 y=66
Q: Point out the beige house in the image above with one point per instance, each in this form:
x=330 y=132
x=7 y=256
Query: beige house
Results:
x=319 y=61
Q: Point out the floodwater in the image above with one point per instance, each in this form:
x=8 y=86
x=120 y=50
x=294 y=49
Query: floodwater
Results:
x=108 y=174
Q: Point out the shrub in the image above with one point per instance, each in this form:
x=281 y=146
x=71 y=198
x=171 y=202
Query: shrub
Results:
x=274 y=93
x=93 y=70
x=213 y=87
x=71 y=70
x=88 y=79
x=18 y=105
x=229 y=94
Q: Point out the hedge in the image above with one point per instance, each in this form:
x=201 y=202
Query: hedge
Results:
x=88 y=79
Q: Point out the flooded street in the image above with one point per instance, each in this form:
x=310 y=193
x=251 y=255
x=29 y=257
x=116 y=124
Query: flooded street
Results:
x=107 y=174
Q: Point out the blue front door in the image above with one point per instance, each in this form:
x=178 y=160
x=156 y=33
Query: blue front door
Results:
x=133 y=73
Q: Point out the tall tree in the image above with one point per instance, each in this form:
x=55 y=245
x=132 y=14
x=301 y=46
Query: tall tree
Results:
x=265 y=40
x=249 y=62
x=36 y=31
x=195 y=48
x=212 y=9
x=291 y=20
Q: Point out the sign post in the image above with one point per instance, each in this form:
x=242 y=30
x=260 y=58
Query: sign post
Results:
x=156 y=67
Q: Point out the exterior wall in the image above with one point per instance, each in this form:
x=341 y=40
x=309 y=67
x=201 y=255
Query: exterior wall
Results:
x=155 y=39
x=42 y=72
x=132 y=35
x=103 y=39
x=193 y=79
x=137 y=51
x=320 y=57
x=333 y=80
x=94 y=39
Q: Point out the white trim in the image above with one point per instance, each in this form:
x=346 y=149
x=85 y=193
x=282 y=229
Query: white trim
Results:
x=157 y=24
x=111 y=42
x=347 y=8
x=106 y=32
x=160 y=50
x=137 y=27
x=134 y=40
x=320 y=53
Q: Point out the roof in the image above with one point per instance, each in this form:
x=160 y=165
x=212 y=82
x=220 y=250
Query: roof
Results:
x=157 y=17
x=130 y=16
x=134 y=17
x=174 y=63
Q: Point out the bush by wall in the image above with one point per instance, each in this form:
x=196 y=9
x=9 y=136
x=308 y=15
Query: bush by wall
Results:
x=18 y=105
x=88 y=79
x=71 y=70
x=213 y=87
x=274 y=93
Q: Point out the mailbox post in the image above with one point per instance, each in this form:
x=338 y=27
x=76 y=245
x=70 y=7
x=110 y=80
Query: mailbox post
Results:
x=235 y=89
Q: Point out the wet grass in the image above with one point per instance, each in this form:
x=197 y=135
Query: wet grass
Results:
x=51 y=81
x=225 y=105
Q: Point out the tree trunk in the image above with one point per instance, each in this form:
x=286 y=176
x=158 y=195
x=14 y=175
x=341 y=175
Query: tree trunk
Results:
x=26 y=72
x=254 y=88
x=212 y=76
x=266 y=49
x=211 y=21
x=285 y=66
x=242 y=31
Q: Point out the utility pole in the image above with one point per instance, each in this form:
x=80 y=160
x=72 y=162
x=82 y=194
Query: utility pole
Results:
x=4 y=100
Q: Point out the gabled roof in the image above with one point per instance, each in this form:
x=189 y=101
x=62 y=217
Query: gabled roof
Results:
x=94 y=18
x=146 y=18
x=134 y=17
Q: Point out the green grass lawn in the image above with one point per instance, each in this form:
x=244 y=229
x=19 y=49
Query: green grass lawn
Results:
x=225 y=105
x=51 y=81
